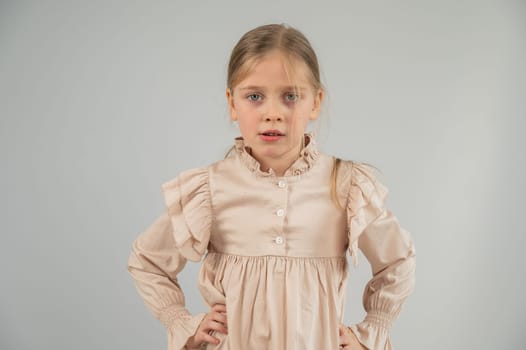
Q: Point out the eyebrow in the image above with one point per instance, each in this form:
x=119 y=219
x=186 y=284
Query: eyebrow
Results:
x=255 y=87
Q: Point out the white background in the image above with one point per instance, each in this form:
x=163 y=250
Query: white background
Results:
x=103 y=101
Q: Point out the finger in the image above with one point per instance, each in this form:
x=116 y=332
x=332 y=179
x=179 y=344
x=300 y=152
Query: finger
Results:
x=210 y=326
x=344 y=336
x=219 y=308
x=343 y=340
x=210 y=339
x=219 y=317
x=219 y=327
x=214 y=317
x=352 y=335
x=346 y=347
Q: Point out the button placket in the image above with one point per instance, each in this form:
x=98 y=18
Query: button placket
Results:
x=280 y=212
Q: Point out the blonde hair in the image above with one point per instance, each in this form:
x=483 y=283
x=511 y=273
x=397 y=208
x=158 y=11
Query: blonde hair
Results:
x=258 y=42
x=262 y=40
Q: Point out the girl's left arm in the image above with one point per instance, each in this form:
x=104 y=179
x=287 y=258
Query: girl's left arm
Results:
x=389 y=249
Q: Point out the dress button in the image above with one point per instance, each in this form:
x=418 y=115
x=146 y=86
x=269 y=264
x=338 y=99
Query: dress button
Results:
x=279 y=240
x=282 y=184
x=280 y=212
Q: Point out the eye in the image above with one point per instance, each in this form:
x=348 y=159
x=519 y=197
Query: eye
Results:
x=254 y=97
x=291 y=97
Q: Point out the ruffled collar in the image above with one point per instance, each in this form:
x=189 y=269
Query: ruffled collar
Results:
x=308 y=156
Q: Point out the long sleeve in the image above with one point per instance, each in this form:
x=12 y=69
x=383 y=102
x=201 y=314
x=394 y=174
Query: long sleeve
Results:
x=389 y=249
x=181 y=233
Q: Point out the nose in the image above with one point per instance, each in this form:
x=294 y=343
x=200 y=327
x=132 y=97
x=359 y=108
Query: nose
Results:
x=273 y=118
x=273 y=112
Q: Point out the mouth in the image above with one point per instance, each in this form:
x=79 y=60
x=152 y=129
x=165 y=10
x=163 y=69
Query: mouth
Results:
x=272 y=133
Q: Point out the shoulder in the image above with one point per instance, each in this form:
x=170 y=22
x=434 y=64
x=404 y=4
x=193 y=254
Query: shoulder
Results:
x=188 y=205
x=364 y=185
x=352 y=171
x=354 y=177
x=188 y=179
x=196 y=180
x=361 y=172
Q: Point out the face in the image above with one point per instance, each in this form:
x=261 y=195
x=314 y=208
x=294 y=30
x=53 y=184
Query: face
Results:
x=273 y=110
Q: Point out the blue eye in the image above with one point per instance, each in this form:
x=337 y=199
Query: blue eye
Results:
x=254 y=97
x=290 y=97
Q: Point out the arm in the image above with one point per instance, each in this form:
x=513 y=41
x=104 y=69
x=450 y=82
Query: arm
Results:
x=160 y=253
x=154 y=264
x=391 y=253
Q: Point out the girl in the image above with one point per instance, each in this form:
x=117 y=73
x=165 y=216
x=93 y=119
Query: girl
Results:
x=275 y=219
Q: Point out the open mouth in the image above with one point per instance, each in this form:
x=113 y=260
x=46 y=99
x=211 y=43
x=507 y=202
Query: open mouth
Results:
x=272 y=133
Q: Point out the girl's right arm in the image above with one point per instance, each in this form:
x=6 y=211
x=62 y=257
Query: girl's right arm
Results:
x=154 y=264
x=181 y=233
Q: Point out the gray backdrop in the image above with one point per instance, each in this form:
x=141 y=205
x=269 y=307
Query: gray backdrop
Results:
x=103 y=101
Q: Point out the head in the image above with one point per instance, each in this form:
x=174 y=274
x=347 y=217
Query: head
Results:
x=258 y=42
x=273 y=89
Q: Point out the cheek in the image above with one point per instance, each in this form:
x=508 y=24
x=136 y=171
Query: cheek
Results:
x=246 y=123
x=303 y=114
x=244 y=108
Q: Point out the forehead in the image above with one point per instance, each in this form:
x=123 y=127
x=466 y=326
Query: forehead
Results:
x=275 y=69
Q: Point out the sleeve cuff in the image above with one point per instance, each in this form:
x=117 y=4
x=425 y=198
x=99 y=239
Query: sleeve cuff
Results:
x=180 y=325
x=373 y=331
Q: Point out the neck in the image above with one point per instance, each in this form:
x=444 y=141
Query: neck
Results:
x=281 y=164
x=278 y=166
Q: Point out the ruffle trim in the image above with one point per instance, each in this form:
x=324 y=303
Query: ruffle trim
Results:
x=181 y=325
x=308 y=156
x=364 y=204
x=373 y=332
x=187 y=200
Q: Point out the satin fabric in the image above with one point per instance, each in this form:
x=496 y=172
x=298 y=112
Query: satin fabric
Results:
x=274 y=252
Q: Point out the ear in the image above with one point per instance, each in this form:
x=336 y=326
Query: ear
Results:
x=318 y=99
x=230 y=100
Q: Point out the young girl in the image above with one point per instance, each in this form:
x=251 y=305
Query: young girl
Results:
x=274 y=221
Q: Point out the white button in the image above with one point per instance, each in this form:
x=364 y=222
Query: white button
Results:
x=282 y=184
x=279 y=240
x=280 y=212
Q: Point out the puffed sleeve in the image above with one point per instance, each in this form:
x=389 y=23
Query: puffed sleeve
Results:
x=181 y=233
x=389 y=249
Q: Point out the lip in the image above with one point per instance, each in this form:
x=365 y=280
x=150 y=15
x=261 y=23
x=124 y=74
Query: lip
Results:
x=272 y=132
x=271 y=135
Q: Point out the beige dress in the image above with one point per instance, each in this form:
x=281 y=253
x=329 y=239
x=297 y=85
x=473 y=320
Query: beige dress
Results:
x=275 y=252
